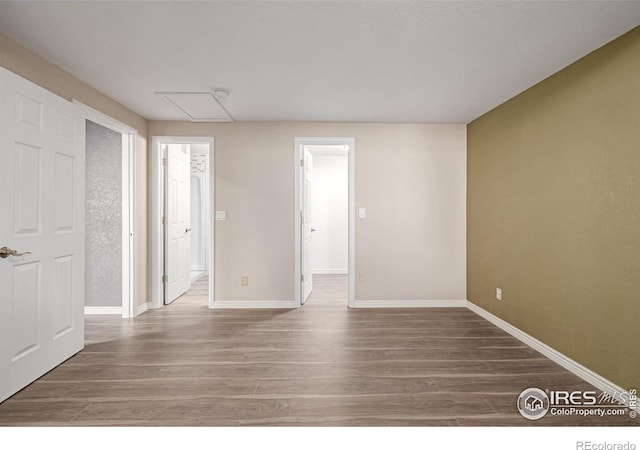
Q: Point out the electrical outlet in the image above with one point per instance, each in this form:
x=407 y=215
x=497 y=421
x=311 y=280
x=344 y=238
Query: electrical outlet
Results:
x=499 y=294
x=244 y=281
x=361 y=277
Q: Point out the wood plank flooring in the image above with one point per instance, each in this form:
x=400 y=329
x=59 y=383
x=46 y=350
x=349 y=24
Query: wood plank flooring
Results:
x=322 y=364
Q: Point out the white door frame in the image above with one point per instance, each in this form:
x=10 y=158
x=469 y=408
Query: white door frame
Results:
x=351 y=144
x=157 y=199
x=129 y=158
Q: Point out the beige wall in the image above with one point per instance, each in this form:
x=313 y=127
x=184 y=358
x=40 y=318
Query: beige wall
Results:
x=411 y=179
x=554 y=210
x=35 y=69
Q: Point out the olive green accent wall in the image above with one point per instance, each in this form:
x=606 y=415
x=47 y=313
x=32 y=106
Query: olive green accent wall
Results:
x=553 y=211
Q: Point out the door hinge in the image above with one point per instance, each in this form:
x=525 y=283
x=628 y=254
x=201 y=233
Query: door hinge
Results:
x=164 y=221
x=165 y=162
x=301 y=277
x=165 y=279
x=302 y=163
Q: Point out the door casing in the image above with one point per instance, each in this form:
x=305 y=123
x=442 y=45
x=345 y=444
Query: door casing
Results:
x=157 y=199
x=299 y=144
x=129 y=158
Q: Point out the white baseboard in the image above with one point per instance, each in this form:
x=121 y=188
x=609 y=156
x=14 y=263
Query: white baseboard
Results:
x=409 y=304
x=195 y=275
x=572 y=366
x=142 y=308
x=253 y=304
x=91 y=310
x=330 y=272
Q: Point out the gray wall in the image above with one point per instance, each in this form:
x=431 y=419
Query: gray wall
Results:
x=103 y=282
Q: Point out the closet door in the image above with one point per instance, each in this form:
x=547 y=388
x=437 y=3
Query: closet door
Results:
x=41 y=232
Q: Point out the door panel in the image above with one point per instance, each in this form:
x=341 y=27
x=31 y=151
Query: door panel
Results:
x=64 y=192
x=307 y=185
x=42 y=193
x=178 y=217
x=25 y=304
x=63 y=295
x=27 y=193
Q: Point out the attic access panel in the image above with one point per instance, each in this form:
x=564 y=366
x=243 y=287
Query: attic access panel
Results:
x=198 y=106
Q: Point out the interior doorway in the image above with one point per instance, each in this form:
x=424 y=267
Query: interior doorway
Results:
x=325 y=198
x=182 y=229
x=109 y=215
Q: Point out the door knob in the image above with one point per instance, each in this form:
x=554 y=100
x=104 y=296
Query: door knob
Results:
x=313 y=229
x=6 y=251
x=187 y=230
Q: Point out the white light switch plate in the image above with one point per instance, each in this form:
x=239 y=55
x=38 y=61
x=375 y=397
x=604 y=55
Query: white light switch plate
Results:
x=362 y=213
x=221 y=215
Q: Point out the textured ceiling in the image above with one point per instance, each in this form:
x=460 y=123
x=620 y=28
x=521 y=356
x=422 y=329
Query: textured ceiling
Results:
x=347 y=61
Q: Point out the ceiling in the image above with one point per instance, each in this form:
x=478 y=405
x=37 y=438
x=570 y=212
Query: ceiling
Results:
x=339 y=61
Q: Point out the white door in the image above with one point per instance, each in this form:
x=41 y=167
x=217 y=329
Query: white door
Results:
x=307 y=178
x=178 y=219
x=42 y=198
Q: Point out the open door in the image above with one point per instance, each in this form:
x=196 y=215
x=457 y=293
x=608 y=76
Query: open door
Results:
x=178 y=207
x=41 y=232
x=307 y=230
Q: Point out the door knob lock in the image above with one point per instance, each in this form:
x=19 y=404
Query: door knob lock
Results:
x=6 y=251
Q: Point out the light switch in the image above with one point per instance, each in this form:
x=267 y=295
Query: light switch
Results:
x=221 y=215
x=362 y=213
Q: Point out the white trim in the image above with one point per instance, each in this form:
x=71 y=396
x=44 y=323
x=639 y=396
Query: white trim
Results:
x=157 y=237
x=157 y=251
x=409 y=304
x=128 y=226
x=209 y=224
x=350 y=142
x=142 y=308
x=255 y=304
x=352 y=223
x=554 y=355
x=129 y=158
x=330 y=271
x=195 y=275
x=95 y=310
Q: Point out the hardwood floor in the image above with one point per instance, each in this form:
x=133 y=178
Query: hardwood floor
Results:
x=322 y=364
